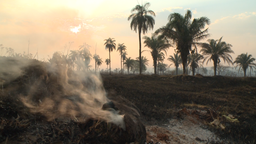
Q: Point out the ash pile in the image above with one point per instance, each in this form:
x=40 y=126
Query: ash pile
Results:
x=57 y=103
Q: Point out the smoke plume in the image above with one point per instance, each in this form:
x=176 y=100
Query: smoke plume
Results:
x=60 y=90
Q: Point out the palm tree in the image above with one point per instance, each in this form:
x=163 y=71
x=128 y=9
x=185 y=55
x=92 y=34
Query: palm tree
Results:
x=160 y=59
x=99 y=62
x=107 y=61
x=17 y=55
x=110 y=45
x=156 y=46
x=244 y=61
x=142 y=22
x=57 y=59
x=85 y=56
x=96 y=57
x=176 y=59
x=121 y=48
x=188 y=63
x=10 y=51
x=136 y=66
x=73 y=56
x=194 y=60
x=216 y=49
x=162 y=67
x=69 y=61
x=124 y=57
x=128 y=62
x=184 y=32
x=144 y=63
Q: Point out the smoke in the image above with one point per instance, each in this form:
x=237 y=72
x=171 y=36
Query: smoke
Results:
x=11 y=68
x=60 y=90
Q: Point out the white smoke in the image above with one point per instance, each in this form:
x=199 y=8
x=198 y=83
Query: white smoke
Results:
x=11 y=68
x=62 y=93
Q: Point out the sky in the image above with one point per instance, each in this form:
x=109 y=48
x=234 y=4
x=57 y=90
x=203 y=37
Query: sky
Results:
x=63 y=25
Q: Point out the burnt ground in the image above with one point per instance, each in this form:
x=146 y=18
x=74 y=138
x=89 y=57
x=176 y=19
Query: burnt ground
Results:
x=42 y=105
x=231 y=102
x=173 y=108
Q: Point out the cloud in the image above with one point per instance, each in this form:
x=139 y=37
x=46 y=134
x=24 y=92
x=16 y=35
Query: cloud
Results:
x=171 y=8
x=194 y=11
x=218 y=20
x=245 y=15
x=241 y=16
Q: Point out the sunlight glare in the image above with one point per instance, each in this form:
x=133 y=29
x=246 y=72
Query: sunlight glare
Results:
x=75 y=29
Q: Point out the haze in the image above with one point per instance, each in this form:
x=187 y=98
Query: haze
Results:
x=63 y=25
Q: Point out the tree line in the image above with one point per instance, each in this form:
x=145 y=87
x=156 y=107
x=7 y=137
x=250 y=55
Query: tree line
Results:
x=183 y=33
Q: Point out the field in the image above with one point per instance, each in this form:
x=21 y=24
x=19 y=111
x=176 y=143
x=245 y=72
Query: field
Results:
x=40 y=105
x=231 y=102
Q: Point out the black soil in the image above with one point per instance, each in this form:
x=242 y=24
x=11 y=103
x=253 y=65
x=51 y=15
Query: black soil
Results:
x=155 y=98
x=160 y=97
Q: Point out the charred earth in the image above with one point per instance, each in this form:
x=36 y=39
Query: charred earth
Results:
x=43 y=103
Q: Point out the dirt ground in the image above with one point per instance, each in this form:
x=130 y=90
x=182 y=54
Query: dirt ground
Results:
x=187 y=109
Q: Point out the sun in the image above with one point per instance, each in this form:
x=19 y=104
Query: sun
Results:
x=87 y=9
x=75 y=29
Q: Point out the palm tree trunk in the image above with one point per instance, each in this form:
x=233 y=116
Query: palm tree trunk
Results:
x=121 y=63
x=215 y=67
x=193 y=71
x=158 y=68
x=140 y=50
x=176 y=70
x=184 y=63
x=155 y=66
x=128 y=69
x=244 y=72
x=184 y=57
x=109 y=62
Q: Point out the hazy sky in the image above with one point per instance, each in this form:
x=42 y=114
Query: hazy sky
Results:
x=50 y=25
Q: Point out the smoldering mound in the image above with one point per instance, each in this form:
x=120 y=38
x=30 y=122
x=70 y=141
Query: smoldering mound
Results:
x=56 y=91
x=51 y=103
